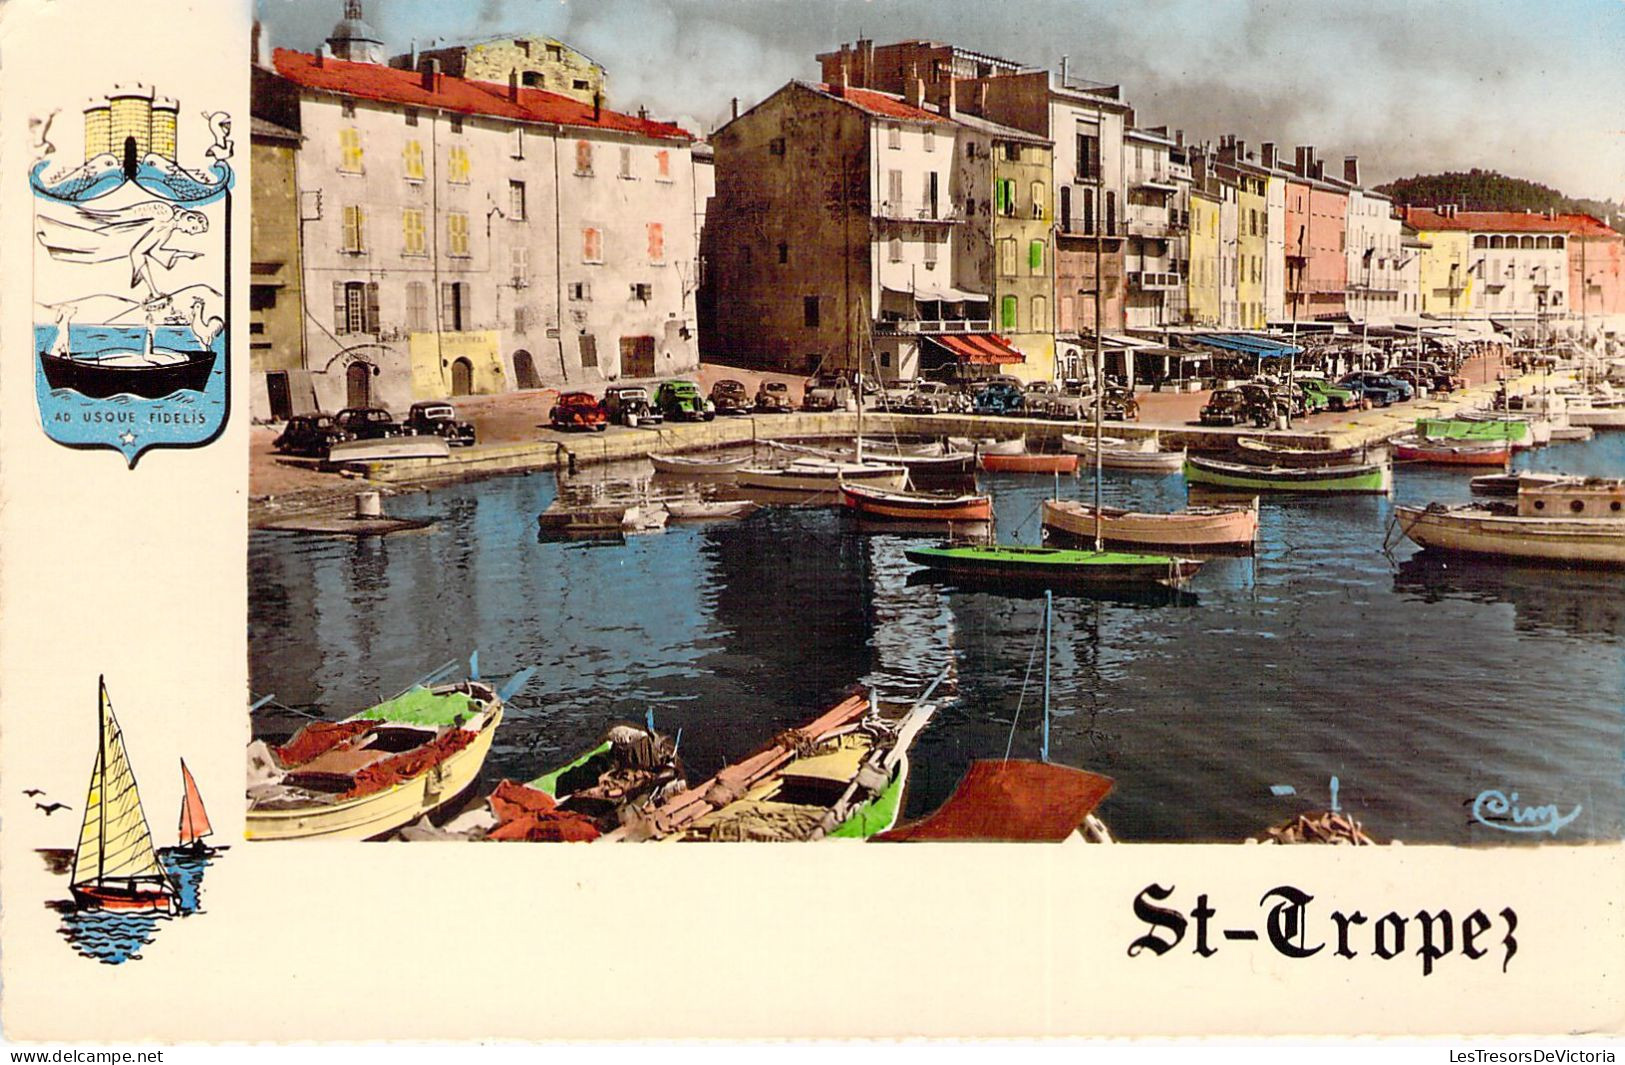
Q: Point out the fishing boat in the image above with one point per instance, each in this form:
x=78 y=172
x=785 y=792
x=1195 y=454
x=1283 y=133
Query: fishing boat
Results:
x=1053 y=565
x=1574 y=523
x=987 y=445
x=194 y=818
x=843 y=776
x=1216 y=529
x=1459 y=429
x=1255 y=451
x=995 y=462
x=1444 y=453
x=884 y=504
x=1509 y=484
x=689 y=466
x=1369 y=477
x=1538 y=432
x=820 y=477
x=1596 y=410
x=369 y=774
x=1143 y=456
x=114 y=865
x=709 y=509
x=389 y=449
x=921 y=461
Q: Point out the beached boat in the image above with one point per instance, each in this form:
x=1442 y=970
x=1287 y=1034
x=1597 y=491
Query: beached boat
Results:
x=1509 y=484
x=841 y=776
x=1371 y=477
x=691 y=466
x=821 y=477
x=1053 y=565
x=194 y=825
x=375 y=771
x=389 y=449
x=1575 y=523
x=1142 y=456
x=1444 y=453
x=1224 y=528
x=995 y=462
x=1265 y=453
x=709 y=509
x=917 y=506
x=114 y=865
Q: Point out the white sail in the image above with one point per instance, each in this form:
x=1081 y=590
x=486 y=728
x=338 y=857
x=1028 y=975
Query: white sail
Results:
x=114 y=840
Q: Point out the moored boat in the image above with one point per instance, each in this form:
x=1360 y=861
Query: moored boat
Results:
x=885 y=504
x=709 y=509
x=1373 y=477
x=1444 y=453
x=389 y=448
x=1574 y=523
x=1255 y=451
x=1015 y=445
x=194 y=824
x=1054 y=565
x=1220 y=528
x=1464 y=429
x=1509 y=484
x=821 y=477
x=995 y=462
x=691 y=466
x=1014 y=801
x=1143 y=456
x=375 y=771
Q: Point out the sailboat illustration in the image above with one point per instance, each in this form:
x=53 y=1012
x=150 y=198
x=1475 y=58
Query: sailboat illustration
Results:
x=194 y=818
x=115 y=867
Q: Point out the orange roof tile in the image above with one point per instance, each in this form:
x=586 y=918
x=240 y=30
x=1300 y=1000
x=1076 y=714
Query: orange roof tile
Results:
x=879 y=103
x=1427 y=218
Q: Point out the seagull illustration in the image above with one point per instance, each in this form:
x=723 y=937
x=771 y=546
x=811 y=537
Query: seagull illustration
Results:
x=31 y=792
x=51 y=808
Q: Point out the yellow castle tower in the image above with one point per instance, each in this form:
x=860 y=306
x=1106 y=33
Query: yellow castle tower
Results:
x=134 y=117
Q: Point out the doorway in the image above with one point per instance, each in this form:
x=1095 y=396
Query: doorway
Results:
x=637 y=356
x=462 y=378
x=358 y=385
x=279 y=395
x=524 y=370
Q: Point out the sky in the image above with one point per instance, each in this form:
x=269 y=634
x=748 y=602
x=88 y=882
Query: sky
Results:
x=1532 y=88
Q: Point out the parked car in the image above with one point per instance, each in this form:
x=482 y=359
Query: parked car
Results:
x=1330 y=396
x=629 y=405
x=434 y=417
x=1225 y=407
x=1120 y=405
x=579 y=410
x=931 y=397
x=827 y=391
x=1039 y=395
x=1432 y=375
x=681 y=401
x=1404 y=389
x=311 y=435
x=729 y=397
x=1366 y=386
x=367 y=423
x=773 y=396
x=999 y=397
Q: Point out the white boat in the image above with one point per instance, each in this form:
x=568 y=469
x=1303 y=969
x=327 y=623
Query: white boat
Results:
x=389 y=448
x=1575 y=523
x=987 y=445
x=644 y=518
x=687 y=466
x=709 y=509
x=1143 y=456
x=811 y=476
x=1597 y=410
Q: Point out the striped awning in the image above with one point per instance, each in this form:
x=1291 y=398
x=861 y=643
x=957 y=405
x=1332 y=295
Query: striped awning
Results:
x=1246 y=344
x=986 y=349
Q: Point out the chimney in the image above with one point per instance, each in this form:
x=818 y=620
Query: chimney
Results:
x=1351 y=169
x=643 y=113
x=1179 y=139
x=736 y=106
x=1305 y=160
x=513 y=85
x=846 y=76
x=431 y=75
x=597 y=106
x=950 y=105
x=1318 y=170
x=1063 y=70
x=913 y=87
x=1238 y=149
x=1268 y=148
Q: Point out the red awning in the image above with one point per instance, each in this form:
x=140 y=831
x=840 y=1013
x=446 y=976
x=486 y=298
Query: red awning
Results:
x=987 y=349
x=1016 y=801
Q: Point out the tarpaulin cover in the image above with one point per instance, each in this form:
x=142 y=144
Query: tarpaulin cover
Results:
x=409 y=764
x=1018 y=801
x=317 y=738
x=1244 y=344
x=988 y=349
x=420 y=706
x=526 y=814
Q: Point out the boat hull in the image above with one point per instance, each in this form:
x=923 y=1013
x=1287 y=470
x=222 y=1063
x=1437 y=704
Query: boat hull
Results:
x=389 y=448
x=813 y=479
x=90 y=896
x=1048 y=566
x=1436 y=454
x=1475 y=531
x=1202 y=528
x=676 y=464
x=1262 y=452
x=381 y=812
x=916 y=506
x=1375 y=479
x=1024 y=463
x=97 y=381
x=1124 y=457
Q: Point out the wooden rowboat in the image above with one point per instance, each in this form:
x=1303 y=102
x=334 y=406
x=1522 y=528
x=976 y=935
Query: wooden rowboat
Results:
x=1266 y=453
x=1024 y=463
x=1373 y=478
x=1116 y=454
x=1015 y=445
x=1227 y=528
x=1510 y=484
x=820 y=476
x=917 y=506
x=389 y=448
x=1054 y=565
x=709 y=509
x=1441 y=453
x=687 y=466
x=1015 y=801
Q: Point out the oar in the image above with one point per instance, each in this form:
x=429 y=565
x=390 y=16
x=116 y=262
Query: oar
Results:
x=474 y=665
x=516 y=682
x=429 y=678
x=260 y=702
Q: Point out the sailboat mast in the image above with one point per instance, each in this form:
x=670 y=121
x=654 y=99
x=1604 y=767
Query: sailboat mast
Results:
x=101 y=785
x=1100 y=294
x=1049 y=609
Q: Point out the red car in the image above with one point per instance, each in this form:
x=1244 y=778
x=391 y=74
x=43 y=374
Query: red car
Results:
x=579 y=410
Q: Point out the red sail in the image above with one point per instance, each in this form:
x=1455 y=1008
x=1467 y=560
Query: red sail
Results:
x=194 y=819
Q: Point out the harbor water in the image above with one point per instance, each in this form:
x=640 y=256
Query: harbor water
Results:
x=1319 y=673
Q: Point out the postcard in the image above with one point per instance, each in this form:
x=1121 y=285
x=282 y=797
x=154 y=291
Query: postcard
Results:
x=1105 y=524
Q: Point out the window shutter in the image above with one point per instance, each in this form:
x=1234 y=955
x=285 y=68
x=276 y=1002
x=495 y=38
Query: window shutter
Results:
x=1035 y=256
x=465 y=305
x=372 y=307
x=998 y=196
x=448 y=309
x=1007 y=313
x=341 y=318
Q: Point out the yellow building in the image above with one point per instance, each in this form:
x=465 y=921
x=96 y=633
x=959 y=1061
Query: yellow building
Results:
x=1447 y=286
x=1252 y=236
x=1023 y=286
x=1203 y=306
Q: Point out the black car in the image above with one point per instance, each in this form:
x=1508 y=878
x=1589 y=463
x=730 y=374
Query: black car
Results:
x=367 y=423
x=629 y=405
x=729 y=397
x=312 y=435
x=438 y=418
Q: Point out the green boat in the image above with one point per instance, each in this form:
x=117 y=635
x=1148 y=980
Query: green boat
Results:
x=1369 y=477
x=1461 y=429
x=1055 y=565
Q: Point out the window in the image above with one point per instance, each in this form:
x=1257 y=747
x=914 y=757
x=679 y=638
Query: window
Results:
x=1038 y=199
x=457 y=165
x=456 y=123
x=784 y=252
x=592 y=245
x=584 y=158
x=643 y=291
x=1007 y=257
x=351 y=307
x=355 y=230
x=456 y=310
x=417 y=307
x=589 y=350
x=894 y=187
x=1040 y=314
x=555 y=52
x=809 y=312
x=930 y=254
x=519 y=263
x=347 y=108
x=1035 y=258
x=412 y=237
x=411 y=116
x=970 y=207
x=1066 y=208
x=1111 y=213
x=1088 y=210
x=518 y=142
x=521 y=320
x=1088 y=156
x=580 y=291
x=1004 y=196
x=1007 y=314
x=412 y=160
x=930 y=139
x=663 y=165
x=657 y=242
x=775 y=146
x=931 y=193
x=894 y=135
x=457 y=235
x=626 y=162
x=895 y=249
x=350 y=150
x=1012 y=151
x=516 y=200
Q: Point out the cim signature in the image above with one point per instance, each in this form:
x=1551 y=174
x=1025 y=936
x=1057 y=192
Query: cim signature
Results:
x=1496 y=809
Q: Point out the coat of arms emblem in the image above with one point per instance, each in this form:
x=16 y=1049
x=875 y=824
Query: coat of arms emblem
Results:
x=132 y=276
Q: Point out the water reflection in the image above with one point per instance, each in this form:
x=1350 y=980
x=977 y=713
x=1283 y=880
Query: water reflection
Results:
x=114 y=937
x=1543 y=598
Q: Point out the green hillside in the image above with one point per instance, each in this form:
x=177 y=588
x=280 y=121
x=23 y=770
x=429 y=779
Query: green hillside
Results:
x=1487 y=190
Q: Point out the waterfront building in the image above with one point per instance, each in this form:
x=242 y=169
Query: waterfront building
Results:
x=1446 y=274
x=1151 y=225
x=1295 y=245
x=1204 y=304
x=1513 y=266
x=538 y=62
x=279 y=386
x=1275 y=231
x=1324 y=246
x=1374 y=253
x=1179 y=215
x=1596 y=276
x=462 y=236
x=1229 y=250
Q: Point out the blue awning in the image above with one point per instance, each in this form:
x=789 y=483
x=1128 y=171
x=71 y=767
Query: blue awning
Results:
x=1247 y=344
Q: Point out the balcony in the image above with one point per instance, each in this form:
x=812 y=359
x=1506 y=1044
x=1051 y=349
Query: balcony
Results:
x=1153 y=228
x=1155 y=281
x=942 y=214
x=918 y=326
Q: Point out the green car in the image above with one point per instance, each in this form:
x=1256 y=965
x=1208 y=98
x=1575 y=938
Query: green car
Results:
x=1323 y=395
x=683 y=401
